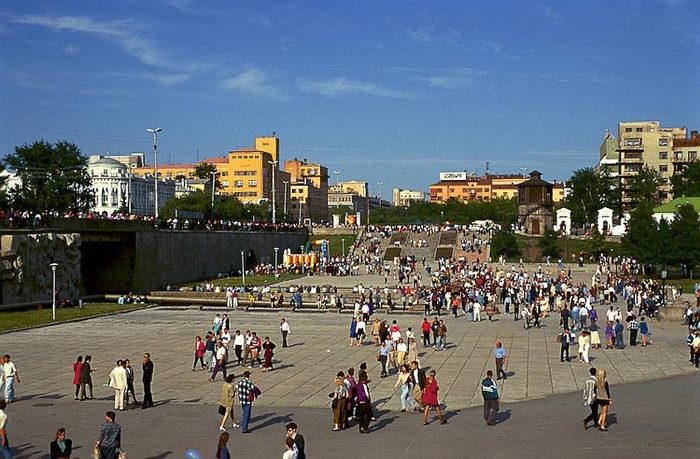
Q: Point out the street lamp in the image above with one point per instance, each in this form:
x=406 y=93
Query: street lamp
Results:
x=664 y=273
x=286 y=187
x=277 y=249
x=522 y=171
x=128 y=192
x=53 y=289
x=243 y=267
x=274 y=200
x=155 y=132
x=337 y=176
x=342 y=240
x=213 y=189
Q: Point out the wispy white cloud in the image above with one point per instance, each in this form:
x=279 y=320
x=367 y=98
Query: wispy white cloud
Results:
x=452 y=78
x=553 y=16
x=253 y=81
x=121 y=32
x=338 y=87
x=30 y=81
x=422 y=35
x=71 y=49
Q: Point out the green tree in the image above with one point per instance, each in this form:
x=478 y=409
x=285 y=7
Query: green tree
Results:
x=3 y=188
x=687 y=183
x=641 y=238
x=505 y=243
x=53 y=176
x=549 y=244
x=590 y=192
x=204 y=171
x=644 y=187
x=685 y=232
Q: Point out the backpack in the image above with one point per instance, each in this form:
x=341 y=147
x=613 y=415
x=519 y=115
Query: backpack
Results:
x=589 y=395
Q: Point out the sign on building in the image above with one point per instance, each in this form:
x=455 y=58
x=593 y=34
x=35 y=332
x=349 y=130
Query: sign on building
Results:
x=445 y=176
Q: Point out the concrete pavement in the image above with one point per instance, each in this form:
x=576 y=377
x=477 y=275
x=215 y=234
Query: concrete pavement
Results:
x=185 y=413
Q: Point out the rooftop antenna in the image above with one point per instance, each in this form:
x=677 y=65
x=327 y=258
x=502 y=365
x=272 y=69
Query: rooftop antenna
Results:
x=487 y=168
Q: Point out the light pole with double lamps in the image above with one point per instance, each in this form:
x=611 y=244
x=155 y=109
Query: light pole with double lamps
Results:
x=53 y=289
x=155 y=132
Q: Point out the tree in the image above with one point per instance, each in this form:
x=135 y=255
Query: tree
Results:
x=644 y=187
x=685 y=233
x=53 y=176
x=505 y=243
x=641 y=238
x=590 y=192
x=204 y=171
x=549 y=244
x=687 y=183
x=3 y=189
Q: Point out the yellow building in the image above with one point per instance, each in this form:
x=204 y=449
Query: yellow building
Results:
x=245 y=173
x=308 y=185
x=468 y=188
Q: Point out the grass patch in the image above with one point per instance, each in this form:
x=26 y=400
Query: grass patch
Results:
x=13 y=320
x=335 y=242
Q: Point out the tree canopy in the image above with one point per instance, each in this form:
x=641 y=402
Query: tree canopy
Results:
x=53 y=176
x=590 y=192
x=687 y=183
x=645 y=186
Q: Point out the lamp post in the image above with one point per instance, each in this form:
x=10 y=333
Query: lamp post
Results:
x=286 y=187
x=53 y=289
x=277 y=249
x=274 y=200
x=522 y=171
x=213 y=189
x=664 y=273
x=342 y=240
x=337 y=177
x=155 y=132
x=243 y=267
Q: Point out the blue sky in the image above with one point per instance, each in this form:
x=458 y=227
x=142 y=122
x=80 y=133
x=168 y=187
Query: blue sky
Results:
x=384 y=91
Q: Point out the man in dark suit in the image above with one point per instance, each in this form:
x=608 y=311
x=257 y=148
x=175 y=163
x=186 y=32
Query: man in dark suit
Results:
x=298 y=439
x=147 y=368
x=418 y=379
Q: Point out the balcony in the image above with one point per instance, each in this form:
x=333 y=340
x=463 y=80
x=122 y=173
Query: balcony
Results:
x=626 y=157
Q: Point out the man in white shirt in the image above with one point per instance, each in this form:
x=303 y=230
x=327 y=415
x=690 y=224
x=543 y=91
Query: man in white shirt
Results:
x=284 y=328
x=118 y=381
x=238 y=344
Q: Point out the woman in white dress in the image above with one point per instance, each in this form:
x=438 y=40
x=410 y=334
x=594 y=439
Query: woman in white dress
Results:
x=584 y=344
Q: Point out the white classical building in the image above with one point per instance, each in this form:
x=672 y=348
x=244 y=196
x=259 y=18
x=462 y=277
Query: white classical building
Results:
x=117 y=189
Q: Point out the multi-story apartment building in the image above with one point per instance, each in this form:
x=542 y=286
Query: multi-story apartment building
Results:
x=404 y=198
x=646 y=143
x=308 y=185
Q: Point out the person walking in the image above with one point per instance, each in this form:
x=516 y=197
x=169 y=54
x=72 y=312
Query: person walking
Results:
x=603 y=397
x=246 y=394
x=289 y=451
x=222 y=451
x=404 y=382
x=130 y=376
x=110 y=436
x=564 y=339
x=220 y=364
x=285 y=330
x=228 y=392
x=644 y=330
x=383 y=358
x=209 y=349
x=147 y=379
x=500 y=354
x=364 y=403
x=489 y=391
x=4 y=442
x=430 y=398
x=117 y=381
x=199 y=348
x=86 y=378
x=297 y=439
x=61 y=447
x=633 y=326
x=10 y=375
x=339 y=404
x=590 y=398
x=77 y=369
x=269 y=348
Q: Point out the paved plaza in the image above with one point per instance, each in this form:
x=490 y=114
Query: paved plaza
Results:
x=654 y=389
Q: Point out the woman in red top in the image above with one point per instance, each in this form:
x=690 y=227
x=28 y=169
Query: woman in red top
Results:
x=430 y=398
x=198 y=353
x=77 y=369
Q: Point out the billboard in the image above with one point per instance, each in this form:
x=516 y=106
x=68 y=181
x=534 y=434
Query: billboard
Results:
x=453 y=176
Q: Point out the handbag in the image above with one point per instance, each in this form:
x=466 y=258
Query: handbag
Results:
x=222 y=410
x=121 y=454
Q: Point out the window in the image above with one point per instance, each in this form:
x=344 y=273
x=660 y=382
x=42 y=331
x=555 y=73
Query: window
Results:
x=628 y=129
x=224 y=173
x=640 y=129
x=633 y=142
x=224 y=184
x=663 y=155
x=663 y=168
x=238 y=184
x=663 y=142
x=692 y=155
x=678 y=155
x=252 y=183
